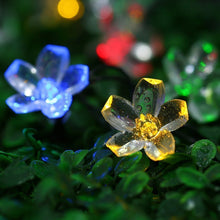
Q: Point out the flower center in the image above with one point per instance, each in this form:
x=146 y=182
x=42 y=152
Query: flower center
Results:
x=48 y=90
x=147 y=126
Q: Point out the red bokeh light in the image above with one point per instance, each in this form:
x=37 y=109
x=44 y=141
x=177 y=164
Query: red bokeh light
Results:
x=213 y=56
x=142 y=69
x=136 y=11
x=106 y=15
x=115 y=49
x=157 y=45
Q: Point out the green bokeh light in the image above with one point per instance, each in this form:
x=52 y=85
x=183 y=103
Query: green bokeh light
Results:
x=207 y=47
x=210 y=117
x=202 y=66
x=183 y=90
x=184 y=75
x=170 y=55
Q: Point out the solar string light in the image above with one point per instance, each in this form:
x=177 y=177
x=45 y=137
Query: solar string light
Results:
x=123 y=44
x=146 y=123
x=192 y=76
x=49 y=85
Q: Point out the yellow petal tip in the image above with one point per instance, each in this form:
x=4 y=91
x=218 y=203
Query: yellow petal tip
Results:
x=153 y=81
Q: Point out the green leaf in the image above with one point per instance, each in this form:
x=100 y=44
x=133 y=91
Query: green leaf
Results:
x=42 y=212
x=4 y=161
x=11 y=208
x=203 y=152
x=40 y=168
x=25 y=152
x=132 y=184
x=85 y=180
x=102 y=168
x=189 y=194
x=213 y=172
x=193 y=201
x=218 y=153
x=101 y=153
x=175 y=158
x=127 y=163
x=15 y=174
x=141 y=165
x=170 y=180
x=170 y=209
x=70 y=159
x=100 y=142
x=105 y=200
x=75 y=214
x=191 y=177
x=78 y=156
x=53 y=187
x=66 y=160
x=122 y=212
x=29 y=133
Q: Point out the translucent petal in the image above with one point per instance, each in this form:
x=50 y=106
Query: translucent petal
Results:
x=203 y=57
x=22 y=76
x=173 y=114
x=53 y=62
x=55 y=102
x=22 y=104
x=202 y=111
x=191 y=85
x=119 y=113
x=213 y=92
x=47 y=89
x=148 y=96
x=58 y=106
x=174 y=64
x=123 y=144
x=75 y=79
x=160 y=146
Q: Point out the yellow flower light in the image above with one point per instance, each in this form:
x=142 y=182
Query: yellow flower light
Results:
x=70 y=8
x=147 y=122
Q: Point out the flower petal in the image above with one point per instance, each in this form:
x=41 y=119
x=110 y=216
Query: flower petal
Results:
x=52 y=62
x=160 y=146
x=148 y=96
x=57 y=106
x=123 y=144
x=119 y=113
x=202 y=111
x=75 y=79
x=173 y=114
x=22 y=76
x=174 y=64
x=21 y=104
x=203 y=57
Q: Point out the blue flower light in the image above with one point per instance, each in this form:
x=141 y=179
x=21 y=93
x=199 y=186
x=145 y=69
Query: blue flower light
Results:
x=47 y=87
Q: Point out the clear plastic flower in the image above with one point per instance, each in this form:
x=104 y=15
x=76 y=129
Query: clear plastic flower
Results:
x=146 y=123
x=49 y=85
x=195 y=77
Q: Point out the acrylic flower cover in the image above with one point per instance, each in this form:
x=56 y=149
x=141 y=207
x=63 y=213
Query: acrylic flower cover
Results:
x=47 y=87
x=146 y=123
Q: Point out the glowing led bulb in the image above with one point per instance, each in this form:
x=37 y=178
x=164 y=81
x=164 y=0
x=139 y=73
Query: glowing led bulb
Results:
x=70 y=8
x=142 y=51
x=145 y=128
x=47 y=87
